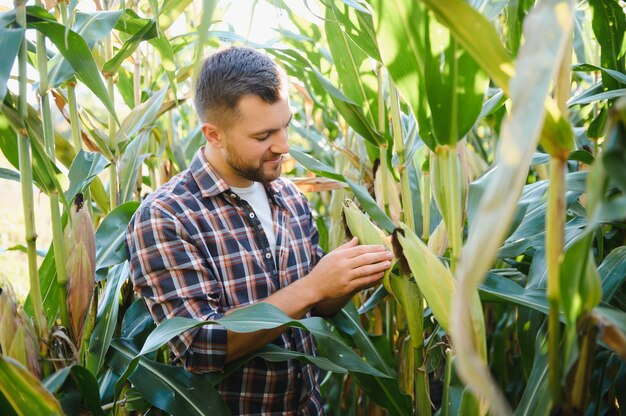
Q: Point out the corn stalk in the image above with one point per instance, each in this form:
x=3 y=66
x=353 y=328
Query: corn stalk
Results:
x=26 y=174
x=555 y=229
x=48 y=134
x=416 y=325
x=108 y=54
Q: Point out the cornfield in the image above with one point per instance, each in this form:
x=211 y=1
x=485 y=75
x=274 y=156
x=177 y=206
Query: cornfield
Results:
x=482 y=141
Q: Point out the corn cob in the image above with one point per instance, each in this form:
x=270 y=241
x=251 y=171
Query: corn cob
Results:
x=358 y=225
x=81 y=265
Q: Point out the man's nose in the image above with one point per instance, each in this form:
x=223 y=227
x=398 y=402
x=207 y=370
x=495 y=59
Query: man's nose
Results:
x=281 y=142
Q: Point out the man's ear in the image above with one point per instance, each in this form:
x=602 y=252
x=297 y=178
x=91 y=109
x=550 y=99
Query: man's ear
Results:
x=212 y=134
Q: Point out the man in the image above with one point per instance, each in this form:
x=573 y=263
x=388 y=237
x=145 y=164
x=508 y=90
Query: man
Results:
x=229 y=232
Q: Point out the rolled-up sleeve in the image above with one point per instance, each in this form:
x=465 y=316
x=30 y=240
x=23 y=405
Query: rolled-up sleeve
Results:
x=170 y=273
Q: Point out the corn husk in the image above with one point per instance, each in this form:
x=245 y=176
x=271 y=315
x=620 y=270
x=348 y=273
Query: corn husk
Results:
x=81 y=265
x=8 y=311
x=392 y=195
x=31 y=343
x=17 y=334
x=438 y=241
x=359 y=226
x=440 y=178
x=437 y=284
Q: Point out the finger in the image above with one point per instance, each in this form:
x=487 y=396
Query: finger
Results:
x=368 y=281
x=363 y=249
x=370 y=258
x=371 y=269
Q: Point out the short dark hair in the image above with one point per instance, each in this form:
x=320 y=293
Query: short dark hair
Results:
x=231 y=73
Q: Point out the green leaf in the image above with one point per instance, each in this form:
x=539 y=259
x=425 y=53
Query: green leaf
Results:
x=614 y=154
x=106 y=319
x=170 y=11
x=93 y=27
x=265 y=316
x=24 y=391
x=77 y=53
x=10 y=40
x=477 y=36
x=497 y=288
x=141 y=116
x=357 y=23
x=536 y=398
x=616 y=75
x=137 y=323
x=110 y=248
x=609 y=26
x=433 y=278
x=172 y=389
x=9 y=174
x=454 y=83
x=315 y=166
x=8 y=143
x=348 y=321
x=581 y=287
x=82 y=380
x=130 y=165
x=587 y=99
x=400 y=27
x=85 y=168
x=348 y=109
x=383 y=391
x=54 y=381
x=348 y=60
x=48 y=286
x=613 y=272
x=148 y=31
x=164 y=47
x=371 y=207
x=274 y=353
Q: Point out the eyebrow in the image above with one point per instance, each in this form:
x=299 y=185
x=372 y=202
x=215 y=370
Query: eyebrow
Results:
x=270 y=131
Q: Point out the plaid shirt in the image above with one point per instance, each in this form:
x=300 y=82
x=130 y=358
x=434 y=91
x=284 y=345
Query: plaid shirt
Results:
x=197 y=250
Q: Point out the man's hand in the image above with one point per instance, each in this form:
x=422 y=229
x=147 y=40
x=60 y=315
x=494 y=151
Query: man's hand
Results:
x=348 y=269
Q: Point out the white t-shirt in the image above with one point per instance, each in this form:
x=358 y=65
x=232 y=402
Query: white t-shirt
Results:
x=256 y=196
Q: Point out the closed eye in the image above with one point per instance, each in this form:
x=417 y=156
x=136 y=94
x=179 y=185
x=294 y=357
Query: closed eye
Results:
x=266 y=134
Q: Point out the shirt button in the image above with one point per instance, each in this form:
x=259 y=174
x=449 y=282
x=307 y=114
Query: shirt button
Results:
x=268 y=255
x=251 y=215
x=299 y=376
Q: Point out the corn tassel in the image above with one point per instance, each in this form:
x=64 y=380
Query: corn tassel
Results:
x=81 y=265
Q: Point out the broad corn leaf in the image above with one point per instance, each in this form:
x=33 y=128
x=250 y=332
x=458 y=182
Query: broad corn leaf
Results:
x=455 y=84
x=437 y=284
x=348 y=60
x=477 y=36
x=24 y=391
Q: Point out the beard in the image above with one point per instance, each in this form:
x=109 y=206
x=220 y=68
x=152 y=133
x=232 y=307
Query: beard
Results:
x=253 y=171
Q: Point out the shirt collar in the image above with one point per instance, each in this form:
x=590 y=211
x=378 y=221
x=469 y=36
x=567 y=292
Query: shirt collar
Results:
x=209 y=181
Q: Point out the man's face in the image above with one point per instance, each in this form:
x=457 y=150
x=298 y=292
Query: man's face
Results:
x=256 y=140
